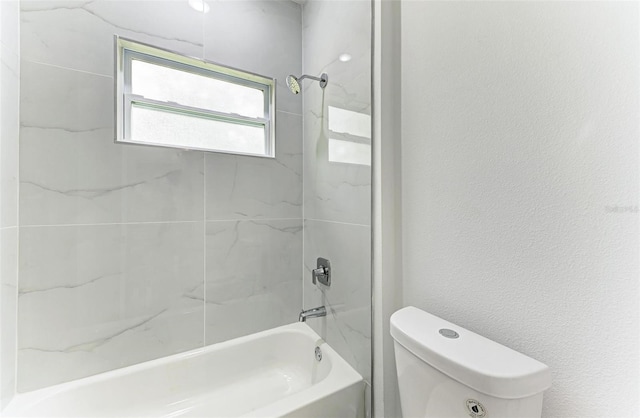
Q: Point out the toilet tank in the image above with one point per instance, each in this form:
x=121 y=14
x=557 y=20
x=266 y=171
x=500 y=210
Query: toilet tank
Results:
x=447 y=371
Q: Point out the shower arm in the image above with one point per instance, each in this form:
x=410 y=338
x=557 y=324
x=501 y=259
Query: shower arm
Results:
x=302 y=77
x=310 y=77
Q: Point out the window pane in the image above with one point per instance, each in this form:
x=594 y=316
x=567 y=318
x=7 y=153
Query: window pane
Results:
x=166 y=128
x=170 y=85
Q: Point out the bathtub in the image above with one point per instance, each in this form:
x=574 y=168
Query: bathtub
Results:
x=269 y=374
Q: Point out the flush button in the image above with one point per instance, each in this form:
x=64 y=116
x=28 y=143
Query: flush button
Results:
x=449 y=333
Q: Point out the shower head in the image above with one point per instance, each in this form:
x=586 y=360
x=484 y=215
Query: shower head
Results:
x=293 y=82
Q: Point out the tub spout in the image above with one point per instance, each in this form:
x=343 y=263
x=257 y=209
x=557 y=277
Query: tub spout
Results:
x=312 y=313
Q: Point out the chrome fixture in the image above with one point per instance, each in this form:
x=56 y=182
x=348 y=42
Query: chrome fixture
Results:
x=322 y=273
x=312 y=313
x=318 y=354
x=293 y=82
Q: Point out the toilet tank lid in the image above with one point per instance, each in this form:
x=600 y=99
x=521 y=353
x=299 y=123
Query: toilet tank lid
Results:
x=471 y=359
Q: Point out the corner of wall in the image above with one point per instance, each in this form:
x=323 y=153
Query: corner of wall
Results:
x=387 y=210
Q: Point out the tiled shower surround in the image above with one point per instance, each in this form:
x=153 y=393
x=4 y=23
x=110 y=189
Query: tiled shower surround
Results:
x=130 y=253
x=337 y=195
x=9 y=133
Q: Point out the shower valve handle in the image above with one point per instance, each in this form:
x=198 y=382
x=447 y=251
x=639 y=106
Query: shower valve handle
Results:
x=319 y=272
x=322 y=273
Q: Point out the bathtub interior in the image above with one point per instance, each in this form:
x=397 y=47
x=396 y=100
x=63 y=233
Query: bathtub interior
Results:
x=274 y=369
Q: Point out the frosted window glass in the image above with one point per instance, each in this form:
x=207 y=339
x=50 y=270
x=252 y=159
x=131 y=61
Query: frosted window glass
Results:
x=349 y=152
x=188 y=89
x=178 y=130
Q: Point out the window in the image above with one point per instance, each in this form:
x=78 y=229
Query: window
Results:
x=170 y=100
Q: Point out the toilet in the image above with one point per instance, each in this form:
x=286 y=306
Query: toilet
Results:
x=446 y=371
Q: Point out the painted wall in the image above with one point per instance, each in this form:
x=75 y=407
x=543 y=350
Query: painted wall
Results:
x=520 y=185
x=9 y=133
x=337 y=194
x=130 y=253
x=387 y=209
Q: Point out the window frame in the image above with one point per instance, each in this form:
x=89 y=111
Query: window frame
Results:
x=127 y=50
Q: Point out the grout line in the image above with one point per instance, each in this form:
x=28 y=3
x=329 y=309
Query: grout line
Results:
x=156 y=222
x=338 y=222
x=111 y=224
x=255 y=220
x=68 y=68
x=204 y=254
x=290 y=113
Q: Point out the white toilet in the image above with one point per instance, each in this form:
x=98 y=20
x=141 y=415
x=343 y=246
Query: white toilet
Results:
x=446 y=371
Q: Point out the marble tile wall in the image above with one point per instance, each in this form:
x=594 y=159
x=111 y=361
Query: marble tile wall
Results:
x=348 y=299
x=129 y=253
x=253 y=276
x=9 y=134
x=337 y=203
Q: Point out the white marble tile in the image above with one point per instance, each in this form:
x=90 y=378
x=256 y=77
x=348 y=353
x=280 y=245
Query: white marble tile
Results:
x=79 y=34
x=9 y=137
x=253 y=276
x=72 y=172
x=258 y=36
x=95 y=298
x=335 y=191
x=10 y=25
x=58 y=98
x=8 y=318
x=242 y=187
x=332 y=191
x=11 y=60
x=347 y=326
x=139 y=340
x=349 y=32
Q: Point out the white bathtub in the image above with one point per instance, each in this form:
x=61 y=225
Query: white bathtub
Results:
x=269 y=374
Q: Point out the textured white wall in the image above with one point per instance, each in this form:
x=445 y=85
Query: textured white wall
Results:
x=520 y=185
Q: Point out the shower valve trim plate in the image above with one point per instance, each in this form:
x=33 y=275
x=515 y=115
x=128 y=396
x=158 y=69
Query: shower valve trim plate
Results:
x=322 y=273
